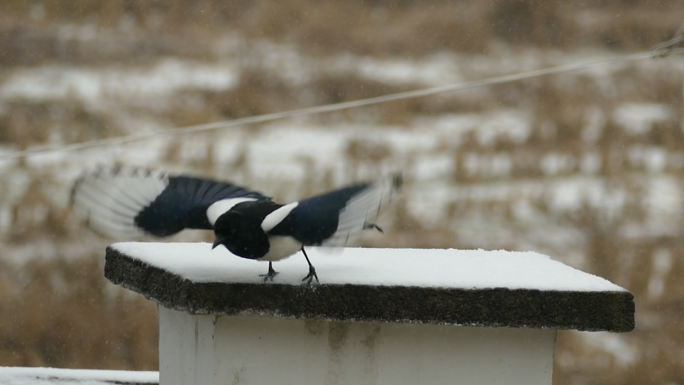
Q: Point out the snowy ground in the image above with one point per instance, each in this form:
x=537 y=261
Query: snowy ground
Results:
x=45 y=376
x=461 y=269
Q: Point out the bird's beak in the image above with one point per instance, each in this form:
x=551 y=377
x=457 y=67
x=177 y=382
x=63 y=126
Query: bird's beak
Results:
x=217 y=241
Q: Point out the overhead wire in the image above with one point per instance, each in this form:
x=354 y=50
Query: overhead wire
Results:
x=662 y=50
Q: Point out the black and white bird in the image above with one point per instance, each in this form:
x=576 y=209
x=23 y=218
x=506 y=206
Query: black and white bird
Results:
x=126 y=202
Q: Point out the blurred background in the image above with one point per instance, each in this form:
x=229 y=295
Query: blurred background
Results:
x=587 y=166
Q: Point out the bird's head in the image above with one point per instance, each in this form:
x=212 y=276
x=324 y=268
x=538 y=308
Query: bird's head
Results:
x=223 y=232
x=241 y=234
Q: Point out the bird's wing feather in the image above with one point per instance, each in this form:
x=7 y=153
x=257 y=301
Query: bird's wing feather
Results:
x=337 y=218
x=361 y=210
x=127 y=202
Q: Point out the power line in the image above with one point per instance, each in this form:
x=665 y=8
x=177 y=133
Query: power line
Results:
x=338 y=106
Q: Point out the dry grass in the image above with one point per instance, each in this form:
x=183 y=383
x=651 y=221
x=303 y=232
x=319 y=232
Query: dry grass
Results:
x=151 y=28
x=23 y=123
x=63 y=313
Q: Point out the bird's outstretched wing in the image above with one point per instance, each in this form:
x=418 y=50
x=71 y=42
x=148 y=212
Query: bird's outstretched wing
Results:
x=128 y=202
x=337 y=218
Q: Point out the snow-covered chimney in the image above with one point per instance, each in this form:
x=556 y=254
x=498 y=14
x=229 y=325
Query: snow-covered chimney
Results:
x=379 y=316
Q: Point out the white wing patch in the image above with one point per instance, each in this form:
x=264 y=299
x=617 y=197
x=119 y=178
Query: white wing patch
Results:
x=277 y=216
x=112 y=198
x=363 y=209
x=221 y=207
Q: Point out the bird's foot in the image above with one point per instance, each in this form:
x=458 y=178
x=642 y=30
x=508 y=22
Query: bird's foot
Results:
x=371 y=226
x=271 y=273
x=311 y=276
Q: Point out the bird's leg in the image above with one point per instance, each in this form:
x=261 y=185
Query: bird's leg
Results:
x=312 y=270
x=271 y=273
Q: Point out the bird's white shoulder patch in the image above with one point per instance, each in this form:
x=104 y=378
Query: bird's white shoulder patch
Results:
x=277 y=216
x=221 y=207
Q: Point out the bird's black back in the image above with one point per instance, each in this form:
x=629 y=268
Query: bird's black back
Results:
x=316 y=219
x=184 y=203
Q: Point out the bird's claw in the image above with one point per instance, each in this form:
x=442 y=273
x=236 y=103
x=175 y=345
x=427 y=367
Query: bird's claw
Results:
x=371 y=226
x=270 y=275
x=312 y=274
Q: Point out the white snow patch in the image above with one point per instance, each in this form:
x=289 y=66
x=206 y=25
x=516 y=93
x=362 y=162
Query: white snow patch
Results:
x=91 y=84
x=595 y=119
x=228 y=146
x=429 y=205
x=570 y=194
x=662 y=262
x=510 y=124
x=5 y=217
x=45 y=376
x=436 y=70
x=400 y=139
x=676 y=160
x=452 y=124
x=623 y=353
x=554 y=163
x=487 y=165
x=284 y=60
x=469 y=269
x=282 y=149
x=88 y=32
x=653 y=158
x=434 y=166
x=638 y=118
x=590 y=163
x=664 y=199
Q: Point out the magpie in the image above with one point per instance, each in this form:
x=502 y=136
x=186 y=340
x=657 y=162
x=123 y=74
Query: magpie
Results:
x=129 y=202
